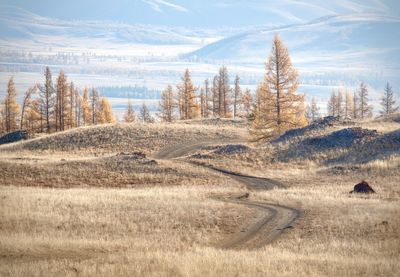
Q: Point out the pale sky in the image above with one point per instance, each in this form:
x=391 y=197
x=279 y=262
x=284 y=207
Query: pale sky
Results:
x=204 y=13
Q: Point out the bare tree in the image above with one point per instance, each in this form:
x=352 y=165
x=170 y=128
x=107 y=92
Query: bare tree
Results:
x=61 y=101
x=348 y=106
x=46 y=93
x=26 y=102
x=388 y=102
x=236 y=96
x=95 y=104
x=356 y=106
x=224 y=91
x=332 y=104
x=215 y=96
x=144 y=114
x=208 y=97
x=167 y=105
x=312 y=111
x=365 y=108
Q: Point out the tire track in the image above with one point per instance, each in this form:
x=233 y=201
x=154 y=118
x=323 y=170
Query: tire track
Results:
x=272 y=219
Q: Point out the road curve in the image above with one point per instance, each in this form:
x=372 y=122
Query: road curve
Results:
x=271 y=220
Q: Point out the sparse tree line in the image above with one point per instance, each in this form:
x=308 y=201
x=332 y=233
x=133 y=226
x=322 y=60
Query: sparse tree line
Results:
x=354 y=106
x=275 y=108
x=215 y=98
x=50 y=107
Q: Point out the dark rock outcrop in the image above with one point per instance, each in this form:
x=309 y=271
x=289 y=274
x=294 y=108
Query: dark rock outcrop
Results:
x=342 y=138
x=14 y=136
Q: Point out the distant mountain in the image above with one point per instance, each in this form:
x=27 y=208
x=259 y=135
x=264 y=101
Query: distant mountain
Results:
x=17 y=23
x=354 y=36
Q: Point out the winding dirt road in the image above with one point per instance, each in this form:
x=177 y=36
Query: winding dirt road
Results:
x=271 y=220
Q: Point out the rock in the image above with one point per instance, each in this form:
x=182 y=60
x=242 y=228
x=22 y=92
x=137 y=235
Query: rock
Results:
x=362 y=187
x=14 y=136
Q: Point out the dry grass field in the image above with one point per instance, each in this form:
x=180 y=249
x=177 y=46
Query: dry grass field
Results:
x=72 y=205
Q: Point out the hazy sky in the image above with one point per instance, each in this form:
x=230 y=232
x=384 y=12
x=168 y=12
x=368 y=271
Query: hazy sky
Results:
x=204 y=13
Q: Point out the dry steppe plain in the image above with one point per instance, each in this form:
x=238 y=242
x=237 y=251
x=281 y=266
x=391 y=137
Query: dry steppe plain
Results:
x=86 y=202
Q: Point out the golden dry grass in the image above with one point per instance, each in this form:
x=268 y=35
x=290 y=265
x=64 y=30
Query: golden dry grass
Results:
x=164 y=223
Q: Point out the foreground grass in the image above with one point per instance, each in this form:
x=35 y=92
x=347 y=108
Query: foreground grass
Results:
x=173 y=231
x=93 y=231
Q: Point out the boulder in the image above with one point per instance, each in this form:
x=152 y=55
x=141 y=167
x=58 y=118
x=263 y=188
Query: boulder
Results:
x=362 y=187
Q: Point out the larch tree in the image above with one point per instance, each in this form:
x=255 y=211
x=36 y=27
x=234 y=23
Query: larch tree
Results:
x=356 y=106
x=224 y=91
x=166 y=106
x=215 y=96
x=85 y=105
x=247 y=102
x=71 y=105
x=105 y=113
x=331 y=108
x=388 y=102
x=47 y=98
x=187 y=97
x=236 y=96
x=11 y=107
x=144 y=114
x=339 y=104
x=348 y=106
x=202 y=97
x=61 y=101
x=94 y=105
x=365 y=108
x=78 y=108
x=280 y=107
x=312 y=111
x=129 y=115
x=26 y=103
x=208 y=97
x=34 y=116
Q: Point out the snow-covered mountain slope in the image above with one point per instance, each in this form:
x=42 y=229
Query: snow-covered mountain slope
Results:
x=17 y=24
x=353 y=36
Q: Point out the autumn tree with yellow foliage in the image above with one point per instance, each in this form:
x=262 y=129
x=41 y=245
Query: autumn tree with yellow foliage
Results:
x=278 y=105
x=129 y=115
x=105 y=113
x=188 y=108
x=11 y=108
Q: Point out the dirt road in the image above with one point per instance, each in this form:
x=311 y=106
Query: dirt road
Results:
x=271 y=220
